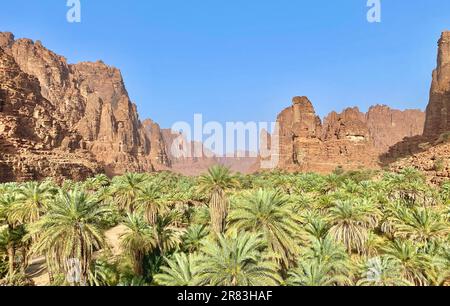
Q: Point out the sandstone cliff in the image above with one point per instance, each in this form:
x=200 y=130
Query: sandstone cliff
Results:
x=34 y=142
x=438 y=110
x=74 y=120
x=351 y=139
x=91 y=98
x=430 y=152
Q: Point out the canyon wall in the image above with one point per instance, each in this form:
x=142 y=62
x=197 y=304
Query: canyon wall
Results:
x=350 y=139
x=430 y=152
x=92 y=100
x=75 y=120
x=438 y=110
x=34 y=142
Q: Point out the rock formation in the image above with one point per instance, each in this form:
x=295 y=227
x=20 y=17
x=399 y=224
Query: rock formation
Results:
x=438 y=110
x=434 y=162
x=158 y=147
x=430 y=152
x=300 y=130
x=351 y=139
x=34 y=142
x=74 y=120
x=91 y=99
x=389 y=126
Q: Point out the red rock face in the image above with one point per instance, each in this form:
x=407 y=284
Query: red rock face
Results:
x=433 y=161
x=389 y=126
x=438 y=110
x=91 y=99
x=34 y=143
x=72 y=121
x=299 y=133
x=156 y=145
x=430 y=151
x=351 y=139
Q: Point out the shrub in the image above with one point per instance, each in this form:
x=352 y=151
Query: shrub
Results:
x=439 y=165
x=444 y=138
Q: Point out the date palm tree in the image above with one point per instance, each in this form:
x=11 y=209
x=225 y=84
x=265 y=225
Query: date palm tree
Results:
x=193 y=238
x=324 y=263
x=137 y=241
x=180 y=270
x=235 y=261
x=414 y=263
x=216 y=183
x=351 y=222
x=374 y=245
x=267 y=212
x=439 y=272
x=327 y=251
x=315 y=225
x=126 y=190
x=149 y=201
x=166 y=234
x=97 y=182
x=331 y=183
x=382 y=271
x=70 y=230
x=13 y=232
x=422 y=225
x=314 y=274
x=32 y=202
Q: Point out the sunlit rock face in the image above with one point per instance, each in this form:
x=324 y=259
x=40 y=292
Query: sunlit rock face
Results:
x=91 y=99
x=438 y=110
x=351 y=139
x=75 y=120
x=35 y=142
x=430 y=152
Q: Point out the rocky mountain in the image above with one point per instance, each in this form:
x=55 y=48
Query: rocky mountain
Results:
x=430 y=152
x=438 y=110
x=34 y=141
x=75 y=120
x=350 y=139
x=389 y=126
x=91 y=99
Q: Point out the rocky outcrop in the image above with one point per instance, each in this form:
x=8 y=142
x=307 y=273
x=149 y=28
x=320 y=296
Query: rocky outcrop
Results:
x=438 y=110
x=299 y=131
x=74 y=120
x=158 y=148
x=351 y=139
x=430 y=152
x=388 y=127
x=91 y=99
x=434 y=162
x=34 y=142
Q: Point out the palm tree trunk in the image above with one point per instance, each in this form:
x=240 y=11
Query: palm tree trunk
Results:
x=51 y=277
x=11 y=259
x=25 y=258
x=152 y=215
x=138 y=264
x=219 y=211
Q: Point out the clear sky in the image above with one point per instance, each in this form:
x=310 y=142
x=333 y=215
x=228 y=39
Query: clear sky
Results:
x=242 y=60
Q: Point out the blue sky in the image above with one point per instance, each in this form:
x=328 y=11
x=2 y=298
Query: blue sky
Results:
x=243 y=60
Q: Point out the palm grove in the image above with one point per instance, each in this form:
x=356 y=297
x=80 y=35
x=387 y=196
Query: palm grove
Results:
x=348 y=228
